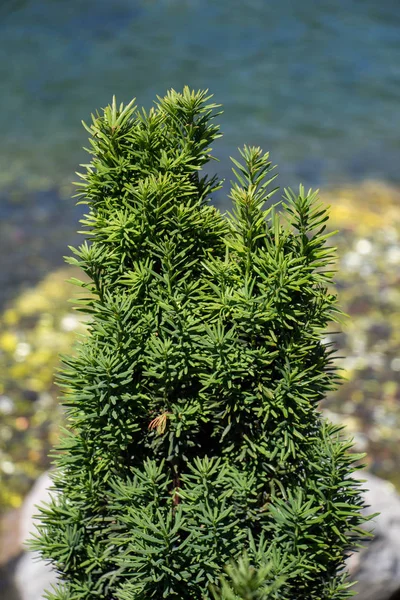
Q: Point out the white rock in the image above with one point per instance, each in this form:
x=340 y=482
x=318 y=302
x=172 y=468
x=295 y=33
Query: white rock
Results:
x=377 y=566
x=32 y=575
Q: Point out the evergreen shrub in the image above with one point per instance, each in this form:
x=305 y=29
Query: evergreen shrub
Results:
x=194 y=437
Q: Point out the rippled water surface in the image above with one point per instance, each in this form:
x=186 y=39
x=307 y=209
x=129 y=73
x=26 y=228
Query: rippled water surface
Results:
x=316 y=83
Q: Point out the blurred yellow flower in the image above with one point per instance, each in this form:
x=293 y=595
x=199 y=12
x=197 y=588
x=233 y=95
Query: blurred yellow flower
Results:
x=8 y=342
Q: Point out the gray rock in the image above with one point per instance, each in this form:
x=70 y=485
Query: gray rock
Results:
x=32 y=576
x=377 y=566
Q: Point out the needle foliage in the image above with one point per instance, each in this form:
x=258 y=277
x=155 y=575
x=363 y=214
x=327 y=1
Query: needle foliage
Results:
x=194 y=437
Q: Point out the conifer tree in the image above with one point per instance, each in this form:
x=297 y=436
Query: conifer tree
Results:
x=194 y=437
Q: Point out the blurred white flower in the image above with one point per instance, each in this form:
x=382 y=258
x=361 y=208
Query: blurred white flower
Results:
x=6 y=405
x=352 y=261
x=22 y=350
x=69 y=322
x=7 y=467
x=363 y=246
x=45 y=400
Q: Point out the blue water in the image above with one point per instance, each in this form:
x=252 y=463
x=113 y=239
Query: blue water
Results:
x=315 y=83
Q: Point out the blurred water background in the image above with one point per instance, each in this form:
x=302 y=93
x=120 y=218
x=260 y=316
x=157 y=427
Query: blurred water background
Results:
x=316 y=84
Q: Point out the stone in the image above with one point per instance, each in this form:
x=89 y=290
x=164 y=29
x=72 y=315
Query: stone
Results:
x=32 y=576
x=377 y=566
